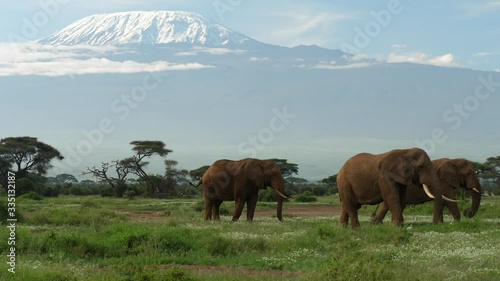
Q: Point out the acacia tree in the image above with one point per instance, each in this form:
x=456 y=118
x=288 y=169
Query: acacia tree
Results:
x=287 y=169
x=118 y=182
x=28 y=154
x=4 y=169
x=137 y=164
x=331 y=182
x=173 y=176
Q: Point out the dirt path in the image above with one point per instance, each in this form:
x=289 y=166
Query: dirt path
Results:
x=303 y=211
x=288 y=211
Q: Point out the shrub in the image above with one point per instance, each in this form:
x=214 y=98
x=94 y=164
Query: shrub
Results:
x=32 y=195
x=4 y=212
x=75 y=190
x=131 y=192
x=106 y=191
x=198 y=206
x=305 y=197
x=48 y=191
x=268 y=195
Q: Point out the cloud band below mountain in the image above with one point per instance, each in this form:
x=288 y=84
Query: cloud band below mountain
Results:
x=44 y=60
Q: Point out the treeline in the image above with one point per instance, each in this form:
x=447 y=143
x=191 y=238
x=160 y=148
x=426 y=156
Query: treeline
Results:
x=31 y=159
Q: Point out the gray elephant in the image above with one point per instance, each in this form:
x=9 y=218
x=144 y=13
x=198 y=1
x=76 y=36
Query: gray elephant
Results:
x=227 y=180
x=453 y=173
x=372 y=178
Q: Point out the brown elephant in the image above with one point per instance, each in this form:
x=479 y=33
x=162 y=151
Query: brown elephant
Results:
x=453 y=173
x=372 y=178
x=227 y=180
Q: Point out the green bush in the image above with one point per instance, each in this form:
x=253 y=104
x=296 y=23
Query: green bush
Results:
x=75 y=190
x=107 y=191
x=268 y=195
x=4 y=212
x=48 y=191
x=305 y=197
x=32 y=195
x=131 y=192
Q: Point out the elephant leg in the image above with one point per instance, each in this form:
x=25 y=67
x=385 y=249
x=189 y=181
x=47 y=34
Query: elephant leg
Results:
x=392 y=198
x=208 y=209
x=438 y=210
x=453 y=207
x=352 y=213
x=381 y=214
x=344 y=218
x=238 y=208
x=349 y=208
x=251 y=204
x=216 y=210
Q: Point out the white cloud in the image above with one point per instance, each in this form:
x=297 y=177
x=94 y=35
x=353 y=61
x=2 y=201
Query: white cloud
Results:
x=398 y=46
x=26 y=52
x=422 y=58
x=301 y=26
x=258 y=59
x=46 y=60
x=485 y=54
x=346 y=66
x=211 y=51
x=476 y=8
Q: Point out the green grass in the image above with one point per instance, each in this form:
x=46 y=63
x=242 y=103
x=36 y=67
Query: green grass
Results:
x=93 y=238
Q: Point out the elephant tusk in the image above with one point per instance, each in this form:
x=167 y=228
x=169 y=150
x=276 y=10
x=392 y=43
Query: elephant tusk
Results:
x=475 y=189
x=448 y=199
x=282 y=195
x=426 y=189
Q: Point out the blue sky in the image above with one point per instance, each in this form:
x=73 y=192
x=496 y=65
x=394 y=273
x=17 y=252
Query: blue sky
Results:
x=449 y=33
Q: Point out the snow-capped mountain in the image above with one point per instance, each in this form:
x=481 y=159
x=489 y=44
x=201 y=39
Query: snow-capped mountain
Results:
x=148 y=28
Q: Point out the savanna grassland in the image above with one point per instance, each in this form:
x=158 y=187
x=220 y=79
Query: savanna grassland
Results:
x=95 y=238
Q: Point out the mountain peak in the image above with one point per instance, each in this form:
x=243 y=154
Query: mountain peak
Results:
x=146 y=27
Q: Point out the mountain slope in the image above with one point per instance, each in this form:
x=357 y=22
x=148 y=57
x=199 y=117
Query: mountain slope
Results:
x=141 y=27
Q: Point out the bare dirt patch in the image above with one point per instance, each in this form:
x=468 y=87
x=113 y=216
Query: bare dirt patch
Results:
x=211 y=270
x=305 y=211
x=145 y=215
x=293 y=211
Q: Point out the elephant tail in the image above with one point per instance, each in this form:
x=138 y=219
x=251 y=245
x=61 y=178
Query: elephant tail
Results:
x=192 y=184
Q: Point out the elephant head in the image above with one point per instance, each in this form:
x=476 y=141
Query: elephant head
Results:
x=414 y=167
x=461 y=173
x=262 y=174
x=411 y=166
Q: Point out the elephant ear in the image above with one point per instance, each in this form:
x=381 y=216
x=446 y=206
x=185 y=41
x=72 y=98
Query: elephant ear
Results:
x=253 y=171
x=397 y=168
x=448 y=172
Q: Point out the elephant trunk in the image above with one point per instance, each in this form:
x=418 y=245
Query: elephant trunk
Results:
x=279 y=186
x=475 y=190
x=279 y=208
